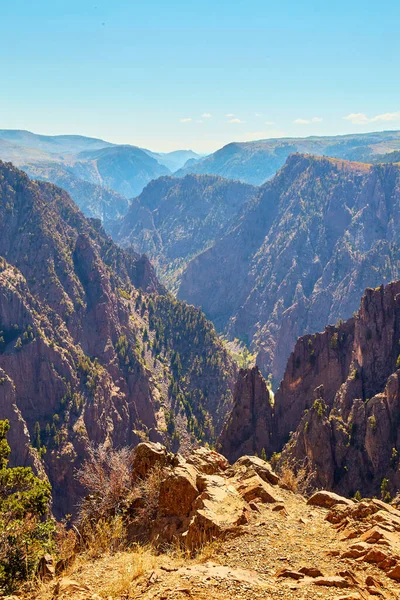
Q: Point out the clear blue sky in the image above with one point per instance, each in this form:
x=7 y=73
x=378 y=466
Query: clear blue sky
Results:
x=146 y=72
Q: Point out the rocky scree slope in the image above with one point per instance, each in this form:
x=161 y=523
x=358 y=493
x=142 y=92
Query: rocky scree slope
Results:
x=300 y=254
x=173 y=220
x=92 y=348
x=337 y=407
x=242 y=535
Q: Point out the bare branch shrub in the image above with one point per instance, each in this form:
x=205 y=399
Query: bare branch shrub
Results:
x=117 y=510
x=106 y=476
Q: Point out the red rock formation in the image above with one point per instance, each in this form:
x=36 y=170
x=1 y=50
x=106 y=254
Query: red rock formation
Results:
x=349 y=439
x=249 y=427
x=338 y=403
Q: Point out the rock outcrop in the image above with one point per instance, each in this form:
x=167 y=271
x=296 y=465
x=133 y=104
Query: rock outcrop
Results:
x=348 y=434
x=201 y=497
x=262 y=546
x=338 y=406
x=249 y=427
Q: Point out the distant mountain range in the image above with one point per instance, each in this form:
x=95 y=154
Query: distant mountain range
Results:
x=69 y=160
x=74 y=161
x=100 y=176
x=256 y=162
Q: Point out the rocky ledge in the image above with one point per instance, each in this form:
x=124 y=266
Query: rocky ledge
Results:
x=236 y=531
x=200 y=497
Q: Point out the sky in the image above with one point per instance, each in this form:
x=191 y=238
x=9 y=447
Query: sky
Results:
x=173 y=74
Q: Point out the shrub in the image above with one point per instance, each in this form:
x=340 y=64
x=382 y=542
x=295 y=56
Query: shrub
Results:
x=105 y=474
x=275 y=460
x=319 y=406
x=334 y=341
x=148 y=491
x=385 y=494
x=26 y=531
x=116 y=507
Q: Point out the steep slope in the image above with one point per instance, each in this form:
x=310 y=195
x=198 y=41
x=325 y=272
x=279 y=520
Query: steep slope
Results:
x=92 y=348
x=300 y=254
x=337 y=407
x=256 y=162
x=348 y=439
x=94 y=200
x=173 y=219
x=248 y=429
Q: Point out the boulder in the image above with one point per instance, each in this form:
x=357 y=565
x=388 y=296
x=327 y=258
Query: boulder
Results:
x=146 y=456
x=311 y=572
x=375 y=555
x=178 y=491
x=208 y=461
x=283 y=572
x=255 y=488
x=372 y=535
x=328 y=499
x=260 y=466
x=394 y=573
x=218 y=509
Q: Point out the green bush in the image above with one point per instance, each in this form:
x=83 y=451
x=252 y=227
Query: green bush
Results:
x=26 y=531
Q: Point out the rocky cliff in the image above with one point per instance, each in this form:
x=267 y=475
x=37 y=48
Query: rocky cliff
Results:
x=249 y=427
x=338 y=406
x=348 y=437
x=92 y=348
x=244 y=535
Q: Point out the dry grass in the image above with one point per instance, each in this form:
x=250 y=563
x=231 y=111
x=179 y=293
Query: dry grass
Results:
x=127 y=568
x=105 y=536
x=288 y=480
x=209 y=551
x=109 y=577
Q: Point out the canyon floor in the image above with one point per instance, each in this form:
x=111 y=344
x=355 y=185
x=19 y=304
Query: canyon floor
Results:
x=286 y=550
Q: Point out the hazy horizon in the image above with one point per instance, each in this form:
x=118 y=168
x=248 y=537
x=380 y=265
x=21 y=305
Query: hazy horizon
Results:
x=194 y=149
x=168 y=76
